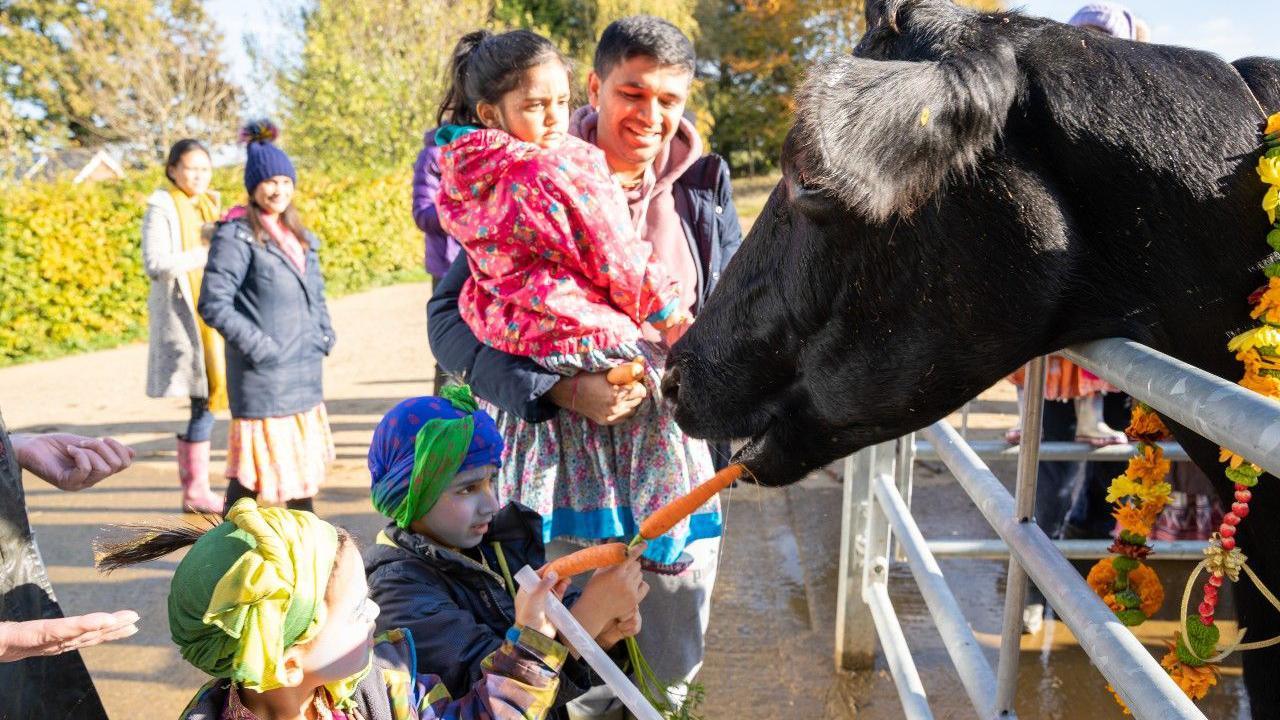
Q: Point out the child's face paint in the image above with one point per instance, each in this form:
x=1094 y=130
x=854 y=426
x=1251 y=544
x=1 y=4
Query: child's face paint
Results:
x=538 y=110
x=461 y=516
x=342 y=647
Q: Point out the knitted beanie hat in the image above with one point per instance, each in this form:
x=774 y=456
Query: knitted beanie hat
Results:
x=263 y=159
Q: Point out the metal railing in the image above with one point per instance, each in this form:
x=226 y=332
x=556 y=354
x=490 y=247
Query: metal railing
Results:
x=877 y=528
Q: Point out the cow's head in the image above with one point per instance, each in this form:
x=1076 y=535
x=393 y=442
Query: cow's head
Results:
x=963 y=193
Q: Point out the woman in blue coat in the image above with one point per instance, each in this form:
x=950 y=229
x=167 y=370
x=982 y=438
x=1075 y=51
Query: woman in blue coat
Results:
x=264 y=292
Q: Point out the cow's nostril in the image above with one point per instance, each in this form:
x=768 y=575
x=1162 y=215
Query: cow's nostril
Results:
x=671 y=384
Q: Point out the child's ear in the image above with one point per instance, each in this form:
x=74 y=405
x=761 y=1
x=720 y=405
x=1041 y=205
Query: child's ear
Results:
x=488 y=115
x=292 y=664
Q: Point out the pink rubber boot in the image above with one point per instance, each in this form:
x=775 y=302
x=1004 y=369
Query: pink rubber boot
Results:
x=193 y=472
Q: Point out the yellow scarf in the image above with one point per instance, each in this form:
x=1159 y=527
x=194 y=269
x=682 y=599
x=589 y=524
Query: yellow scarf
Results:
x=193 y=213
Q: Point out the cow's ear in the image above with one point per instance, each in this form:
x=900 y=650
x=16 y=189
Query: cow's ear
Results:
x=883 y=12
x=883 y=135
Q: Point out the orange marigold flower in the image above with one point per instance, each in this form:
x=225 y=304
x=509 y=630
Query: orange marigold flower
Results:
x=1102 y=577
x=1149 y=466
x=1267 y=308
x=1134 y=519
x=1145 y=425
x=1194 y=681
x=1261 y=384
x=1146 y=583
x=1273 y=124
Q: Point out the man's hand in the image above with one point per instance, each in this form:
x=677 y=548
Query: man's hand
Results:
x=592 y=396
x=71 y=462
x=20 y=640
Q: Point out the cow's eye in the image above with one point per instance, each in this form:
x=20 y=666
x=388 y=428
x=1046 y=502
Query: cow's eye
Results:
x=812 y=199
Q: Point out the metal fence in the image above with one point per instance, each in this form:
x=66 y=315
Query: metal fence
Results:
x=877 y=529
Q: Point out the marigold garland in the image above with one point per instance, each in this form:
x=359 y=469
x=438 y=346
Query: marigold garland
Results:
x=1129 y=588
x=1188 y=660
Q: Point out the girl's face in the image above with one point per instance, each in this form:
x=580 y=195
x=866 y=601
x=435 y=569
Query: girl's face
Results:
x=192 y=173
x=274 y=194
x=342 y=647
x=538 y=110
x=461 y=516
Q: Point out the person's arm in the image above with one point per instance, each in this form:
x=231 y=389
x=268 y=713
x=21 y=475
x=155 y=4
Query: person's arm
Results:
x=326 y=324
x=158 y=259
x=515 y=384
x=426 y=186
x=70 y=462
x=32 y=638
x=228 y=264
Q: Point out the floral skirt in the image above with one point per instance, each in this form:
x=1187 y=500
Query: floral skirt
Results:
x=590 y=482
x=281 y=458
x=1064 y=380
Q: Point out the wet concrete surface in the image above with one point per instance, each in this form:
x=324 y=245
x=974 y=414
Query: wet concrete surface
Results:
x=771 y=642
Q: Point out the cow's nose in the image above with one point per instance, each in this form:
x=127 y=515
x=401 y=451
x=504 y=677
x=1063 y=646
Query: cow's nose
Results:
x=671 y=384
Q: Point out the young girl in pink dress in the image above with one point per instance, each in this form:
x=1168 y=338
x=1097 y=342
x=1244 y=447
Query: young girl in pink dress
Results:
x=561 y=275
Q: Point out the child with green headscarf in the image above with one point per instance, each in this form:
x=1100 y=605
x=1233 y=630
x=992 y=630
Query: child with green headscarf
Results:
x=273 y=604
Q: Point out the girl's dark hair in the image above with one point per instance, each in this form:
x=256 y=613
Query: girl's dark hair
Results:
x=290 y=218
x=179 y=149
x=485 y=66
x=143 y=543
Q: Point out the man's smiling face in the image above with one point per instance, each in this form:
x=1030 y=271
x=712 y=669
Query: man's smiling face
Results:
x=640 y=104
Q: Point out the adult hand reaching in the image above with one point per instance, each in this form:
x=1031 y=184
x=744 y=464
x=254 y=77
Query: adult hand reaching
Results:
x=592 y=396
x=71 y=462
x=20 y=640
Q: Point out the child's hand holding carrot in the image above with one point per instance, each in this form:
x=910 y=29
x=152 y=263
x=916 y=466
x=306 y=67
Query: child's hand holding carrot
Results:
x=531 y=605
x=611 y=593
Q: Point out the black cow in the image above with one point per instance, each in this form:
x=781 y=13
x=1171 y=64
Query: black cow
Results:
x=969 y=191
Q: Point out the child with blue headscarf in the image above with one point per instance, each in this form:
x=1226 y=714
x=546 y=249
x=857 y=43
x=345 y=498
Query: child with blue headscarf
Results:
x=443 y=566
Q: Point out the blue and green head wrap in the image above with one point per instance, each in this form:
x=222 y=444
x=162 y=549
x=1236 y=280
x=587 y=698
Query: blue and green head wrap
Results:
x=421 y=444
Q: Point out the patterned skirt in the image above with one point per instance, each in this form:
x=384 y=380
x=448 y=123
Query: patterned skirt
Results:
x=1064 y=380
x=590 y=482
x=281 y=458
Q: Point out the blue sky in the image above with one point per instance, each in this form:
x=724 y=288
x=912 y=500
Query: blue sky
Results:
x=1230 y=28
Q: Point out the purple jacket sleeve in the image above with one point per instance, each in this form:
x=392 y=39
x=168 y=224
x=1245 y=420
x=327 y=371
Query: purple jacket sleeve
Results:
x=440 y=248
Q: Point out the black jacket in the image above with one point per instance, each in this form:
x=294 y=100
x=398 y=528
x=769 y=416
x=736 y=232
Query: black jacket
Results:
x=456 y=604
x=704 y=202
x=273 y=318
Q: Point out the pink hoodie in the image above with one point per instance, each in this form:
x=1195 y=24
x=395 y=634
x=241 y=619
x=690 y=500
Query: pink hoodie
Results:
x=556 y=265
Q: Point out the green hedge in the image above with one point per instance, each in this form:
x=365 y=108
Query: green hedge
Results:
x=71 y=275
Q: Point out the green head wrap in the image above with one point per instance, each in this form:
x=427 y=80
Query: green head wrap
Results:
x=249 y=589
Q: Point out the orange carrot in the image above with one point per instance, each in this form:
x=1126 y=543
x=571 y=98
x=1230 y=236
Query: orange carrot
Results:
x=627 y=372
x=591 y=558
x=665 y=517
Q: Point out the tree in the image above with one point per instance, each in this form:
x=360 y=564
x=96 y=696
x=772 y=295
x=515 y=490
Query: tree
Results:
x=754 y=55
x=371 y=77
x=575 y=25
x=99 y=71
